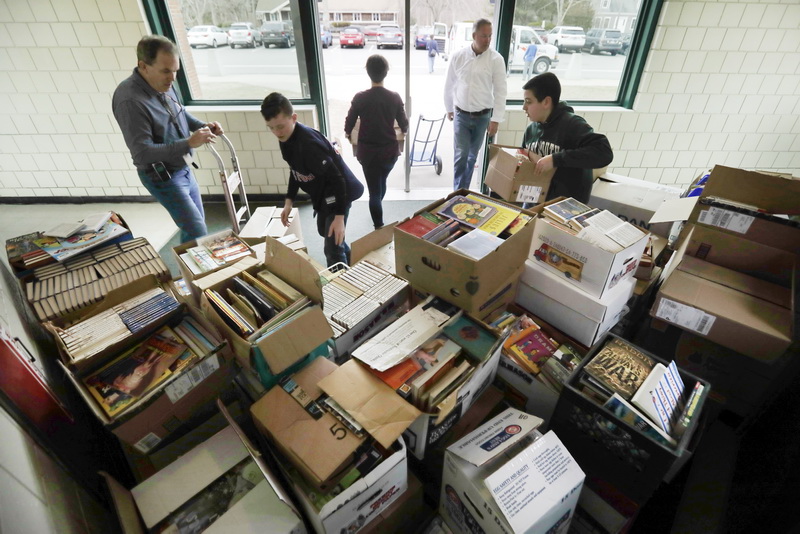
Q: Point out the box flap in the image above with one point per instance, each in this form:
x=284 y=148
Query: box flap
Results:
x=257 y=224
x=376 y=406
x=361 y=248
x=610 y=179
x=293 y=268
x=294 y=339
x=124 y=505
x=771 y=193
x=223 y=274
x=168 y=489
x=782 y=296
x=674 y=209
x=494 y=437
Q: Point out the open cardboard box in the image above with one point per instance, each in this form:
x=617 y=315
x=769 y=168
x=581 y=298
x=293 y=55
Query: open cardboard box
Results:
x=632 y=200
x=294 y=339
x=584 y=265
x=322 y=449
x=469 y=284
x=506 y=477
x=710 y=290
x=266 y=222
x=169 y=408
x=189 y=276
x=578 y=314
x=513 y=180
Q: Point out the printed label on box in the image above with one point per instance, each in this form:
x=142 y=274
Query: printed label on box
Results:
x=147 y=443
x=528 y=193
x=729 y=220
x=685 y=316
x=192 y=378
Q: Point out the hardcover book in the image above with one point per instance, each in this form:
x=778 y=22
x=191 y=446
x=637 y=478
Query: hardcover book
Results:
x=620 y=367
x=420 y=224
x=472 y=212
x=472 y=337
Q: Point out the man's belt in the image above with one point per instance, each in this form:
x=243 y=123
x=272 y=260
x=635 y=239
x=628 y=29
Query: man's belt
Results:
x=474 y=113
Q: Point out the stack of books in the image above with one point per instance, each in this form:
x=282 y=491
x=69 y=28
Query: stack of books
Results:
x=470 y=225
x=85 y=339
x=215 y=250
x=61 y=288
x=534 y=350
x=352 y=294
x=252 y=301
x=599 y=227
x=646 y=394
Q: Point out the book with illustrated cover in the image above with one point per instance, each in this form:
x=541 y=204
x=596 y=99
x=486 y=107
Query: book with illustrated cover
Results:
x=579 y=222
x=130 y=376
x=626 y=412
x=517 y=224
x=498 y=222
x=568 y=356
x=61 y=249
x=472 y=337
x=530 y=348
x=620 y=367
x=565 y=210
x=471 y=212
x=420 y=224
x=224 y=245
x=18 y=247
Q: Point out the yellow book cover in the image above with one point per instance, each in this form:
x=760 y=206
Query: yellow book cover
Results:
x=500 y=220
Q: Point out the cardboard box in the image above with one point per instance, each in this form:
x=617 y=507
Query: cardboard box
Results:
x=293 y=340
x=507 y=477
x=189 y=276
x=266 y=221
x=429 y=429
x=581 y=316
x=738 y=311
x=515 y=180
x=632 y=200
x=405 y=514
x=467 y=283
x=772 y=193
x=175 y=485
x=300 y=433
x=590 y=268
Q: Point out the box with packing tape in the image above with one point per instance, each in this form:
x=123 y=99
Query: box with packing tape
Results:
x=496 y=238
x=511 y=174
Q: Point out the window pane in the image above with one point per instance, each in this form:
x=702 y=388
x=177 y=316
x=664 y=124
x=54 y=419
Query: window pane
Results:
x=584 y=43
x=233 y=50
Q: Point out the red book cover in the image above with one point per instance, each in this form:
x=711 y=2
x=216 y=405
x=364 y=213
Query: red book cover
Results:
x=421 y=224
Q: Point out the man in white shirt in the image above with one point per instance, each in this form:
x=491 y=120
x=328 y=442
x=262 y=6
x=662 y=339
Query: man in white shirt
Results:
x=475 y=97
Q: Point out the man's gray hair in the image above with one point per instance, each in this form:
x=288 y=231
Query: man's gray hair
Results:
x=479 y=23
x=150 y=45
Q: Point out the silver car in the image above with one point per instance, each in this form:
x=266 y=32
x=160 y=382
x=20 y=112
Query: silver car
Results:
x=390 y=35
x=244 y=34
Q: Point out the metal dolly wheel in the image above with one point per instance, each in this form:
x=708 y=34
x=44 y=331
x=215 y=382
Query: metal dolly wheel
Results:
x=232 y=184
x=423 y=151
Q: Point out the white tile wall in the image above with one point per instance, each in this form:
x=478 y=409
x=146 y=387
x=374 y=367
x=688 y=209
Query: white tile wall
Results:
x=721 y=85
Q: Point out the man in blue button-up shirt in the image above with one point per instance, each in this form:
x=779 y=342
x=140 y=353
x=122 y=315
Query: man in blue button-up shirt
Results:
x=162 y=135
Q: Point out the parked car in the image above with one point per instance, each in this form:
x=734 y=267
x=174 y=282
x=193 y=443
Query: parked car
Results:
x=567 y=38
x=521 y=38
x=351 y=37
x=390 y=35
x=603 y=40
x=279 y=33
x=626 y=44
x=212 y=36
x=325 y=37
x=244 y=34
x=421 y=36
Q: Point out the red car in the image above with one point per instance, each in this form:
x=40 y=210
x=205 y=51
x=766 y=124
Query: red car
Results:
x=351 y=37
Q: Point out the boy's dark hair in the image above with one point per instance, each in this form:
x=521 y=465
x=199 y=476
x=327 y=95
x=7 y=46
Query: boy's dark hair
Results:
x=544 y=85
x=275 y=104
x=150 y=45
x=377 y=68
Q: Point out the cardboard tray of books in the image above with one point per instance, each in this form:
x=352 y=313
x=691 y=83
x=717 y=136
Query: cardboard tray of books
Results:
x=62 y=288
x=612 y=437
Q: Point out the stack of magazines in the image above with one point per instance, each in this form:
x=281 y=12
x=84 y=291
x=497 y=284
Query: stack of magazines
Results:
x=215 y=250
x=599 y=227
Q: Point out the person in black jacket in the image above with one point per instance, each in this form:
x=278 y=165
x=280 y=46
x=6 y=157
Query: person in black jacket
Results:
x=319 y=170
x=377 y=147
x=564 y=141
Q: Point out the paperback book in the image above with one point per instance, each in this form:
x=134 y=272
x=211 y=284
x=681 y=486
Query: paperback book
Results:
x=471 y=212
x=565 y=210
x=530 y=348
x=498 y=222
x=420 y=224
x=61 y=249
x=472 y=337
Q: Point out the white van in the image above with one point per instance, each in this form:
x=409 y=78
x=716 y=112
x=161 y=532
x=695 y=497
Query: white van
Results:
x=521 y=38
x=460 y=36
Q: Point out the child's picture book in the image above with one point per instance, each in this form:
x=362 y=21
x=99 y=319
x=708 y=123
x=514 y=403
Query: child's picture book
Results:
x=473 y=338
x=471 y=212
